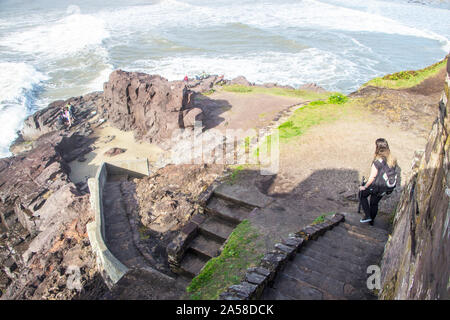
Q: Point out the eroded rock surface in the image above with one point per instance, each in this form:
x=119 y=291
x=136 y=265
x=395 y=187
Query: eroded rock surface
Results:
x=416 y=259
x=45 y=252
x=149 y=105
x=167 y=198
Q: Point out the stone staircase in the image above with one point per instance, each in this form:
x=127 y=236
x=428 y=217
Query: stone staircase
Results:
x=118 y=232
x=333 y=266
x=212 y=229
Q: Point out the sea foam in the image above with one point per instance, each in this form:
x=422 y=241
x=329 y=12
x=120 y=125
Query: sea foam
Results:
x=18 y=86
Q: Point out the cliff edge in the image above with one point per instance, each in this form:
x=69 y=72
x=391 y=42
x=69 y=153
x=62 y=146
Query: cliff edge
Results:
x=415 y=263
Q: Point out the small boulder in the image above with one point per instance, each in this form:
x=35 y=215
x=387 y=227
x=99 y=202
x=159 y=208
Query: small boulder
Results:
x=241 y=80
x=312 y=87
x=192 y=115
x=114 y=152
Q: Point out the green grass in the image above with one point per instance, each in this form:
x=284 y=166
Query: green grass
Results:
x=237 y=169
x=243 y=250
x=293 y=93
x=406 y=79
x=321 y=218
x=311 y=115
x=208 y=93
x=143 y=233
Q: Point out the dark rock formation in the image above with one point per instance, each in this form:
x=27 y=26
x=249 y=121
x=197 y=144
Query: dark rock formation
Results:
x=241 y=80
x=414 y=108
x=114 y=152
x=45 y=120
x=149 y=105
x=416 y=261
x=312 y=87
x=44 y=250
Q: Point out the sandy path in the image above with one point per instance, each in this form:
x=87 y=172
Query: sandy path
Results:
x=243 y=110
x=80 y=171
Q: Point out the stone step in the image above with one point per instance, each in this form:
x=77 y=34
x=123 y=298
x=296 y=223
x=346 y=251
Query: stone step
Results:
x=244 y=196
x=227 y=210
x=205 y=246
x=339 y=253
x=330 y=269
x=352 y=288
x=272 y=294
x=320 y=281
x=350 y=252
x=295 y=289
x=117 y=178
x=335 y=240
x=366 y=229
x=358 y=236
x=353 y=219
x=135 y=262
x=216 y=228
x=339 y=263
x=192 y=264
x=117 y=227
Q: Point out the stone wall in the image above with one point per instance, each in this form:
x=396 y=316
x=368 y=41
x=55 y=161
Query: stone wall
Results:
x=415 y=263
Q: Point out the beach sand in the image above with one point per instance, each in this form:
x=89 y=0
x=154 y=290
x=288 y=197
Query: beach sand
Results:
x=81 y=171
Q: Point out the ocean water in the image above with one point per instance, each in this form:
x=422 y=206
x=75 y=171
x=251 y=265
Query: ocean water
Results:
x=57 y=49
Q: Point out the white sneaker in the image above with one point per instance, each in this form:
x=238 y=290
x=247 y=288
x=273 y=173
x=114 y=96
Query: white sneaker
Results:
x=365 y=220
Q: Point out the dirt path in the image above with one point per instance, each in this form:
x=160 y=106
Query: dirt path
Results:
x=227 y=110
x=329 y=160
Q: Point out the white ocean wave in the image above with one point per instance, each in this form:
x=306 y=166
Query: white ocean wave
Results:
x=68 y=35
x=17 y=86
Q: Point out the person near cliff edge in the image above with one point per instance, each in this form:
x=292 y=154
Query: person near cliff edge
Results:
x=68 y=116
x=382 y=180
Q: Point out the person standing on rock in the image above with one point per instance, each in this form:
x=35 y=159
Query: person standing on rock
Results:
x=68 y=116
x=382 y=180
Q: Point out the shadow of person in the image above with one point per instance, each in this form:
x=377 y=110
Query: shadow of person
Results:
x=211 y=109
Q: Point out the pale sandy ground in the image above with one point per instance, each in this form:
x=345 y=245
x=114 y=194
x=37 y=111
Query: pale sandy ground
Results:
x=347 y=144
x=228 y=111
x=80 y=171
x=247 y=111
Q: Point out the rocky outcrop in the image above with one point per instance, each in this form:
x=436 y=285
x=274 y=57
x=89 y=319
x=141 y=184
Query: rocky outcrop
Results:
x=44 y=249
x=149 y=105
x=416 y=261
x=45 y=120
x=241 y=80
x=312 y=87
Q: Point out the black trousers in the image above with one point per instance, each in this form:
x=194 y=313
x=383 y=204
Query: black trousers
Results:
x=370 y=209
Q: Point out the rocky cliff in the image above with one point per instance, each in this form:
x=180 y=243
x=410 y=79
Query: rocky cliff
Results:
x=149 y=105
x=416 y=261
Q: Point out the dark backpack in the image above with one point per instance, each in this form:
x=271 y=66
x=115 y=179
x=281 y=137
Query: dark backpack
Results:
x=386 y=179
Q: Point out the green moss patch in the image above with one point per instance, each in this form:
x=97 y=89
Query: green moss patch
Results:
x=242 y=250
x=406 y=79
x=321 y=218
x=314 y=113
x=311 y=115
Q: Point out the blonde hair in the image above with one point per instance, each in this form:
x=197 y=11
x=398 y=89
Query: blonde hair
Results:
x=382 y=151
